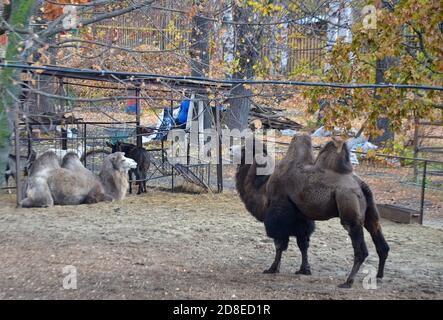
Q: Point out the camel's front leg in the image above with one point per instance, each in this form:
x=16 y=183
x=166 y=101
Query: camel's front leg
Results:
x=280 y=246
x=360 y=252
x=303 y=245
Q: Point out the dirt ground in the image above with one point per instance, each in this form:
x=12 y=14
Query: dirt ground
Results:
x=183 y=246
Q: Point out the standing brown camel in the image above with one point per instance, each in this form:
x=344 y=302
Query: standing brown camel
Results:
x=328 y=188
x=301 y=190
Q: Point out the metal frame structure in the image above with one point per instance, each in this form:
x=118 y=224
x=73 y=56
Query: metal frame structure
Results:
x=130 y=81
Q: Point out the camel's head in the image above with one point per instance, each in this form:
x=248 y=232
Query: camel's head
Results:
x=335 y=155
x=120 y=162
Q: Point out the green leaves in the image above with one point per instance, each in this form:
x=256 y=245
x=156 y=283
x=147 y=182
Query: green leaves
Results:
x=410 y=33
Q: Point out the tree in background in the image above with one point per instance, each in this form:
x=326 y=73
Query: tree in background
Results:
x=250 y=19
x=18 y=14
x=407 y=33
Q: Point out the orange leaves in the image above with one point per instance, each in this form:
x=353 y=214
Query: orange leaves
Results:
x=191 y=14
x=53 y=11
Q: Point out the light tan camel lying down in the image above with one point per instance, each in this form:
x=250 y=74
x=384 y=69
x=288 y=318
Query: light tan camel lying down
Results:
x=72 y=184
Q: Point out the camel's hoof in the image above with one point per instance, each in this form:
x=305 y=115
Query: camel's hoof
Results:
x=345 y=285
x=306 y=272
x=271 y=270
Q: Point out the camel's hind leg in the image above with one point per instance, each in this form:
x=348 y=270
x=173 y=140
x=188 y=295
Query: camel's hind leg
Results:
x=280 y=246
x=349 y=209
x=373 y=226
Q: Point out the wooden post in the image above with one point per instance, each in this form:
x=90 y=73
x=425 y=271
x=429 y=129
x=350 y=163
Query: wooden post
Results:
x=84 y=143
x=201 y=128
x=416 y=146
x=188 y=128
x=190 y=112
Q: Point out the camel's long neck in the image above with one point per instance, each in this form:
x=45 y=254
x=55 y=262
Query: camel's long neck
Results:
x=115 y=185
x=251 y=189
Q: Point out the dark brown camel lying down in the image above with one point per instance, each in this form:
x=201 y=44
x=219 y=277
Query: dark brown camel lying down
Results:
x=72 y=184
x=301 y=190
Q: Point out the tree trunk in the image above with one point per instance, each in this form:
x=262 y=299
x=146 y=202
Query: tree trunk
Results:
x=284 y=50
x=9 y=90
x=382 y=66
x=199 y=52
x=247 y=46
x=383 y=121
x=228 y=35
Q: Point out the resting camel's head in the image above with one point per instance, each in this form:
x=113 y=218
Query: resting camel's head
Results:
x=120 y=162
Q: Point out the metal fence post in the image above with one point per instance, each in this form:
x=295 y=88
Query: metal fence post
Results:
x=423 y=188
x=84 y=143
x=137 y=116
x=18 y=177
x=219 y=150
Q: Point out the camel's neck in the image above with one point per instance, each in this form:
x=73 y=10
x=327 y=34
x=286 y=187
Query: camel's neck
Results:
x=116 y=185
x=251 y=188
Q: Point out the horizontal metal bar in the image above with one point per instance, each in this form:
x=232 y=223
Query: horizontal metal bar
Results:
x=400 y=157
x=133 y=77
x=428 y=123
x=430 y=137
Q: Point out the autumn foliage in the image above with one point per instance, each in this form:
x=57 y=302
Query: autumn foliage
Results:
x=53 y=11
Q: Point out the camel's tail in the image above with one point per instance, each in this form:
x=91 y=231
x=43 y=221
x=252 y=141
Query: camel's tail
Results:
x=371 y=214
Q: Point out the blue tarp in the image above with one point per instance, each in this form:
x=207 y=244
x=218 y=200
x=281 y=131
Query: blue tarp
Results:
x=183 y=112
